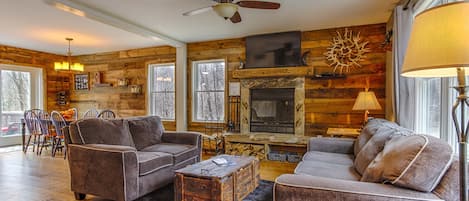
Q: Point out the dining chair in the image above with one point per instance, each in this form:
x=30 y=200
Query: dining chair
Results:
x=91 y=113
x=75 y=113
x=59 y=123
x=34 y=127
x=107 y=114
x=47 y=132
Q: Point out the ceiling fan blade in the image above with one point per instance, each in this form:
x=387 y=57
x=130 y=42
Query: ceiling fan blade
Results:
x=197 y=11
x=236 y=18
x=258 y=4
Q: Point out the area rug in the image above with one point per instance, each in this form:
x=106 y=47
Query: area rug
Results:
x=262 y=193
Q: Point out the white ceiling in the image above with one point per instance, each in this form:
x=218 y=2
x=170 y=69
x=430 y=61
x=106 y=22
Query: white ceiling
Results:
x=33 y=24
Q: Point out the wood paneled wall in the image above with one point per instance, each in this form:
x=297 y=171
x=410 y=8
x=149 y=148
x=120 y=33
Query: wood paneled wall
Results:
x=328 y=102
x=31 y=58
x=130 y=64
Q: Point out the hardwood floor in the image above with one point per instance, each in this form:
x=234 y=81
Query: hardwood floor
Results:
x=28 y=177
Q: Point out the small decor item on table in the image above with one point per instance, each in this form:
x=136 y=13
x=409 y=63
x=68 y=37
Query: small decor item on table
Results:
x=81 y=81
x=67 y=114
x=346 y=51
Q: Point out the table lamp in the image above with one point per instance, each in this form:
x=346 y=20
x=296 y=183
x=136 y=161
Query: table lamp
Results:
x=366 y=100
x=439 y=47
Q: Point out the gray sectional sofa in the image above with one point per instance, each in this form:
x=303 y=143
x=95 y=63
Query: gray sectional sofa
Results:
x=123 y=159
x=386 y=162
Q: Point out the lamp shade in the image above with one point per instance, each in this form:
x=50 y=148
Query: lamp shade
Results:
x=366 y=100
x=439 y=42
x=226 y=10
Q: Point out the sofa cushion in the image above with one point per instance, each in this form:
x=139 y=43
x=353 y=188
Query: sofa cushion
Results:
x=416 y=161
x=101 y=131
x=329 y=170
x=368 y=131
x=146 y=131
x=149 y=162
x=376 y=144
x=328 y=157
x=180 y=152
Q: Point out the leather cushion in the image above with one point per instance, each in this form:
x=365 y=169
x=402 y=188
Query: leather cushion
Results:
x=146 y=131
x=149 y=162
x=180 y=152
x=417 y=162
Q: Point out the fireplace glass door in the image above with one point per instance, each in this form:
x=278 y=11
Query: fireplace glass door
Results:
x=272 y=110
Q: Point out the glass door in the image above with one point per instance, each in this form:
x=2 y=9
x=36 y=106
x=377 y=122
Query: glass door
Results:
x=20 y=90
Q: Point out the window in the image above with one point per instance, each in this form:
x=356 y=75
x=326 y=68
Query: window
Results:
x=428 y=106
x=162 y=90
x=208 y=91
x=20 y=90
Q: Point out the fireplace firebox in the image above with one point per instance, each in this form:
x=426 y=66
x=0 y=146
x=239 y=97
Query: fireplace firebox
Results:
x=272 y=110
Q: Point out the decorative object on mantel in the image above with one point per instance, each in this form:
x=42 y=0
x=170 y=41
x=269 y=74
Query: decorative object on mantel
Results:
x=68 y=65
x=439 y=47
x=346 y=51
x=366 y=100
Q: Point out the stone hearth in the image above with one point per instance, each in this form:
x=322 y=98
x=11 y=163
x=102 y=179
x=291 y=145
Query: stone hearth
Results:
x=298 y=83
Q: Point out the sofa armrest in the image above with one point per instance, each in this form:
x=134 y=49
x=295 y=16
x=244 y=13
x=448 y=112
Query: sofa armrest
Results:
x=182 y=137
x=290 y=187
x=95 y=168
x=334 y=145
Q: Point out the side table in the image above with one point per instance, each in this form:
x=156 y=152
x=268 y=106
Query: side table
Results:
x=343 y=132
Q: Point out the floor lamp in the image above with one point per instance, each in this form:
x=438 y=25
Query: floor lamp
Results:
x=439 y=47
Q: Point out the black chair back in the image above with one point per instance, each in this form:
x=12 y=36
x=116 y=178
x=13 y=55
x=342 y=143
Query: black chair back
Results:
x=107 y=114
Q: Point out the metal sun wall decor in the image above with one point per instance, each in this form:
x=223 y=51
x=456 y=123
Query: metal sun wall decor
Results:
x=346 y=51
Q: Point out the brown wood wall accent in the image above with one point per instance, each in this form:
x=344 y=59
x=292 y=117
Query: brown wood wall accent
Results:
x=130 y=64
x=53 y=81
x=328 y=102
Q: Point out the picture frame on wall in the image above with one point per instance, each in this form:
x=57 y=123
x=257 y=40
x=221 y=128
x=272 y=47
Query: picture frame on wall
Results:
x=81 y=81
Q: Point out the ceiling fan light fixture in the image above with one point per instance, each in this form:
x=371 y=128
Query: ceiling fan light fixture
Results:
x=225 y=10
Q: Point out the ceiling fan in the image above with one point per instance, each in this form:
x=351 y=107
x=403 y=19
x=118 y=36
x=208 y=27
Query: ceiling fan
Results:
x=229 y=10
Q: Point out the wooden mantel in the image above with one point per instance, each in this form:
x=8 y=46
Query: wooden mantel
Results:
x=273 y=72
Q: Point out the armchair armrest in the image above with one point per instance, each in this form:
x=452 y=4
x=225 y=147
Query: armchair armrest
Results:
x=291 y=187
x=182 y=137
x=95 y=168
x=334 y=145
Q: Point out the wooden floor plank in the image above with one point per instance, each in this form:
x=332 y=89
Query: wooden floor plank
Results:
x=28 y=177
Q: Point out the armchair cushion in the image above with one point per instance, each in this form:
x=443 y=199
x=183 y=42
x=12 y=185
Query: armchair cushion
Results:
x=417 y=162
x=376 y=145
x=149 y=162
x=180 y=152
x=101 y=131
x=334 y=158
x=146 y=131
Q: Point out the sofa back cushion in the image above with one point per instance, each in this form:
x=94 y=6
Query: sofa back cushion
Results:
x=383 y=133
x=146 y=131
x=416 y=161
x=368 y=131
x=101 y=131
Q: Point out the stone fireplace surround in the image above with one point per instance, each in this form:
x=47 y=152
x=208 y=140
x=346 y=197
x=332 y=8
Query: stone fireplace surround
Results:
x=298 y=83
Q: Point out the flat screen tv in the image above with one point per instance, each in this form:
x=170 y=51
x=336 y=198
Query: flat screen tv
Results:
x=273 y=50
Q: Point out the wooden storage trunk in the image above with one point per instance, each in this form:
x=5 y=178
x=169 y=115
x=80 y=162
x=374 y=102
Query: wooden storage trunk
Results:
x=231 y=183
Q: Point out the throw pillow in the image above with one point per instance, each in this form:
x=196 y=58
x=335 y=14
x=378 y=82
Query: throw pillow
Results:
x=416 y=161
x=368 y=131
x=146 y=131
x=102 y=131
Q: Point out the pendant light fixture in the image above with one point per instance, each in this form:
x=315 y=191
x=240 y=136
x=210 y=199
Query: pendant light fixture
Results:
x=68 y=65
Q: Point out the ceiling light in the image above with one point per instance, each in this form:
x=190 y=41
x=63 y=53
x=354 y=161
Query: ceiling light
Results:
x=68 y=65
x=225 y=10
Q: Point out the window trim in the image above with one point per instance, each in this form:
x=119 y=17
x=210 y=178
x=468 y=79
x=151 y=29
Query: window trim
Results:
x=193 y=91
x=150 y=67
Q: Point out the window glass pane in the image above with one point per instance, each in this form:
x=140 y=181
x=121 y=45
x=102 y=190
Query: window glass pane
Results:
x=428 y=106
x=209 y=90
x=210 y=106
x=15 y=99
x=162 y=87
